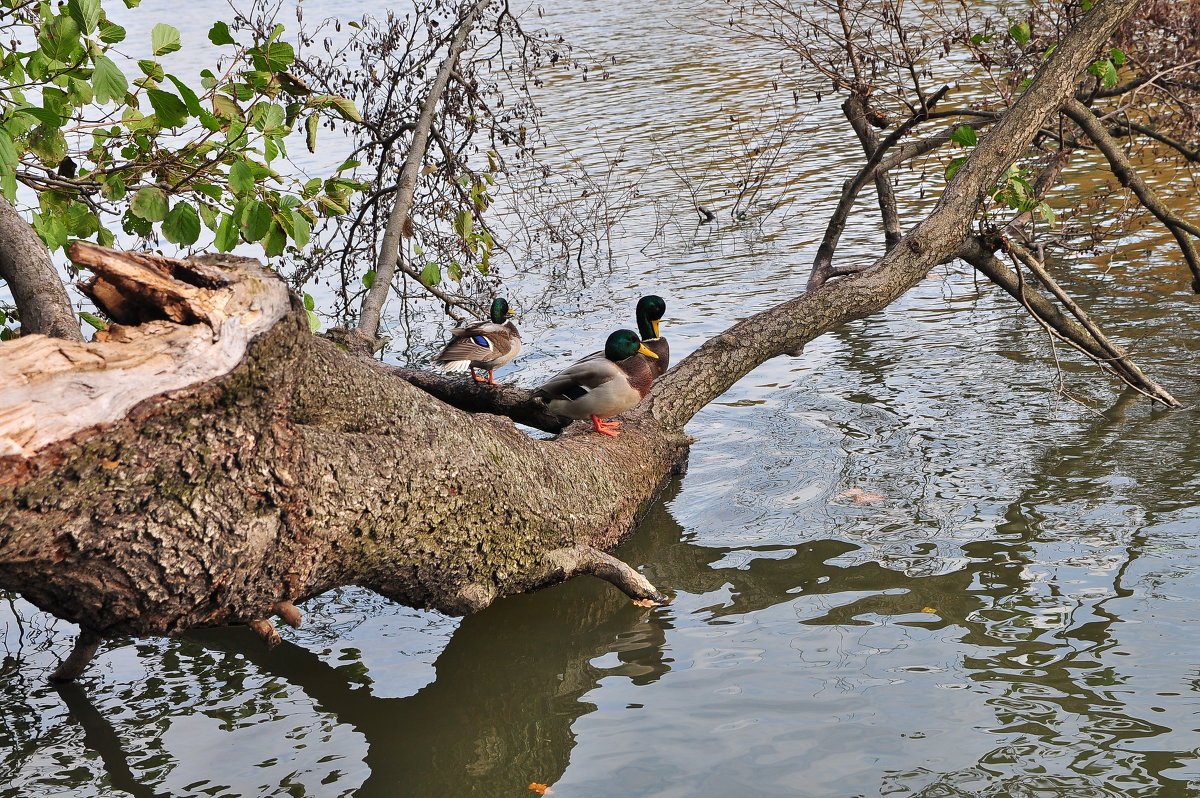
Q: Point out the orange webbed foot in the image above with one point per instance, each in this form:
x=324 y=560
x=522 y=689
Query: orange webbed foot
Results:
x=610 y=428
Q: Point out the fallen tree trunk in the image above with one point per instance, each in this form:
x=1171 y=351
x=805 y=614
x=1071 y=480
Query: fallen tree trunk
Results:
x=208 y=461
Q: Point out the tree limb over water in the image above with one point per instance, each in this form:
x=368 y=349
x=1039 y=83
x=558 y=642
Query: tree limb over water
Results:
x=231 y=464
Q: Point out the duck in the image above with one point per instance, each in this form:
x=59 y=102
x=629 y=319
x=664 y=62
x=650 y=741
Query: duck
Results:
x=649 y=310
x=486 y=344
x=602 y=384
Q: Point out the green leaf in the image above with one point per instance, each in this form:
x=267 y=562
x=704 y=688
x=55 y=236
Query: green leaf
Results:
x=954 y=166
x=1020 y=31
x=314 y=321
x=8 y=153
x=164 y=39
x=278 y=56
x=309 y=302
x=345 y=107
x=241 y=178
x=227 y=234
x=86 y=13
x=111 y=33
x=60 y=39
x=108 y=80
x=301 y=229
x=1046 y=212
x=151 y=69
x=219 y=34
x=310 y=132
x=169 y=109
x=134 y=225
x=150 y=204
x=455 y=271
x=94 y=320
x=275 y=241
x=256 y=221
x=965 y=135
x=432 y=274
x=46 y=116
x=208 y=215
x=368 y=279
x=182 y=225
x=268 y=117
x=48 y=144
x=1110 y=76
x=51 y=228
x=80 y=221
x=1118 y=56
x=112 y=187
x=464 y=223
x=189 y=97
x=226 y=106
x=79 y=92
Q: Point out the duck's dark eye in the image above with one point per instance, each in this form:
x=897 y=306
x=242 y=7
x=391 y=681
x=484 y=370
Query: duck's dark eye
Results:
x=479 y=339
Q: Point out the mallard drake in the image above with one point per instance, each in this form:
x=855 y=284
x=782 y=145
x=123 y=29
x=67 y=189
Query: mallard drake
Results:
x=602 y=384
x=483 y=344
x=649 y=310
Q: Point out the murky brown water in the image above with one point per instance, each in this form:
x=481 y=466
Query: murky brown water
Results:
x=903 y=563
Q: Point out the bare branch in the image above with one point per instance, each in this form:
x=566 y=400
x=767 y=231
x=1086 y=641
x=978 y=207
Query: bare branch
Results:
x=372 y=306
x=1123 y=168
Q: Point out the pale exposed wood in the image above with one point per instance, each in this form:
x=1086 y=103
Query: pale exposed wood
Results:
x=51 y=388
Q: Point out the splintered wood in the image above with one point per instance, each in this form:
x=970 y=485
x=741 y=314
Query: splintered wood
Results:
x=177 y=323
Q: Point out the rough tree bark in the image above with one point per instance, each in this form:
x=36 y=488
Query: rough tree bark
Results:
x=39 y=294
x=251 y=465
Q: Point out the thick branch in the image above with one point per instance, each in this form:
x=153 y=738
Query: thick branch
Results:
x=481 y=397
x=389 y=247
x=1183 y=230
x=578 y=560
x=25 y=265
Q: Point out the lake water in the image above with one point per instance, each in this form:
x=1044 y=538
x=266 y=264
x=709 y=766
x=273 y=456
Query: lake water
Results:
x=904 y=563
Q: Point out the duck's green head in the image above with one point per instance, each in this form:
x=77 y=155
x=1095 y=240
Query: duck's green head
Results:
x=501 y=311
x=625 y=343
x=649 y=310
